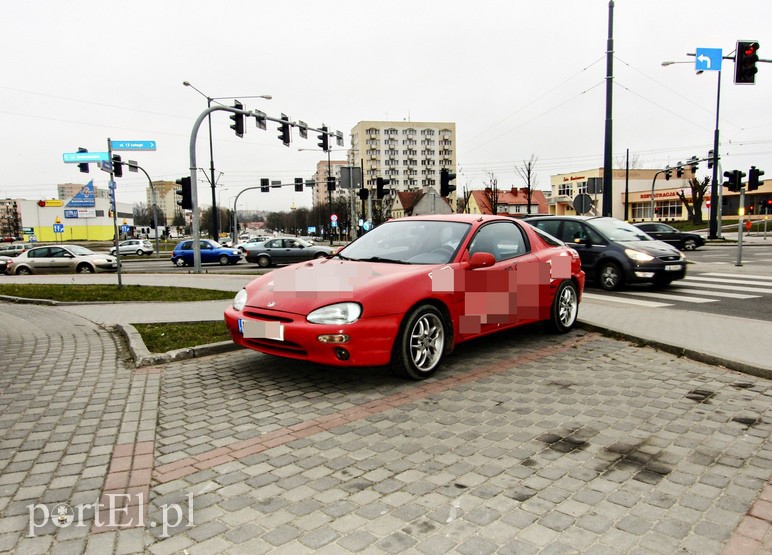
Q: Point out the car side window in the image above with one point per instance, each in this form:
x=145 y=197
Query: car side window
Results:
x=56 y=252
x=502 y=239
x=549 y=226
x=38 y=253
x=573 y=232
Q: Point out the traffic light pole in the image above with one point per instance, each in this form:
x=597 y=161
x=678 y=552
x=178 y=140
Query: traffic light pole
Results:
x=155 y=207
x=115 y=210
x=715 y=202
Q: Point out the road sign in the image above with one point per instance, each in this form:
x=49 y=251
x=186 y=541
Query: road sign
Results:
x=125 y=229
x=106 y=166
x=333 y=217
x=84 y=157
x=132 y=145
x=708 y=59
x=582 y=203
x=58 y=228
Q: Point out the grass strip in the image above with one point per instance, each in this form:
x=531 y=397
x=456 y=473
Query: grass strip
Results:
x=160 y=338
x=111 y=293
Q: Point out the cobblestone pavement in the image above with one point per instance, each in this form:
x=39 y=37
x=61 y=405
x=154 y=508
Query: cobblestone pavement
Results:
x=522 y=443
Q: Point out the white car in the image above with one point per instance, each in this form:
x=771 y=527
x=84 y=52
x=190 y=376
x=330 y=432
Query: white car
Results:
x=134 y=246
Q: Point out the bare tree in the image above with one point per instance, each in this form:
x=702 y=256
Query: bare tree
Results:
x=491 y=192
x=529 y=176
x=694 y=208
x=462 y=203
x=620 y=162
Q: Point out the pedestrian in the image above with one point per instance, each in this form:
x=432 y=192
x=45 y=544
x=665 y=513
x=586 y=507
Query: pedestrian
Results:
x=748 y=227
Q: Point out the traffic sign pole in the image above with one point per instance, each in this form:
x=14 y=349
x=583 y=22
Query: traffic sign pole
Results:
x=115 y=212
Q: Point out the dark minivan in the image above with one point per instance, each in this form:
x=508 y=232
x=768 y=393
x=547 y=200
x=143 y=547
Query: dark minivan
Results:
x=614 y=252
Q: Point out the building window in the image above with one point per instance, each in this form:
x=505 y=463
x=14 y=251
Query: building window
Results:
x=565 y=189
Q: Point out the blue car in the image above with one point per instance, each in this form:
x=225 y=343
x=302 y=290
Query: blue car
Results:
x=211 y=251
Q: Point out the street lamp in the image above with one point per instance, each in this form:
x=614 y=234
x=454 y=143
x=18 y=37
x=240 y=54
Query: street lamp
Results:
x=714 y=226
x=209 y=99
x=329 y=191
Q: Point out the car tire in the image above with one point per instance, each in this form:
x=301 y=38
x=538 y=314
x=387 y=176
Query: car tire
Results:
x=84 y=269
x=223 y=260
x=23 y=271
x=565 y=308
x=180 y=262
x=690 y=245
x=610 y=276
x=140 y=252
x=263 y=261
x=420 y=343
x=320 y=255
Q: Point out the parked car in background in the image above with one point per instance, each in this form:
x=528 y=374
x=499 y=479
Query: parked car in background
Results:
x=211 y=252
x=134 y=246
x=613 y=252
x=410 y=291
x=672 y=236
x=13 y=249
x=284 y=250
x=5 y=264
x=62 y=259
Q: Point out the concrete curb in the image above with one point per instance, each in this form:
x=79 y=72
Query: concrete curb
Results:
x=143 y=357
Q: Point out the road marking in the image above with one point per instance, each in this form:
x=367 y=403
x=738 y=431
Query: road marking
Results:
x=744 y=276
x=668 y=297
x=622 y=300
x=725 y=280
x=715 y=293
x=683 y=283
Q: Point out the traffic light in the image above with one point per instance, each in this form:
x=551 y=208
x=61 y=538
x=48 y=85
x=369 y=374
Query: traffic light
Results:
x=734 y=180
x=445 y=178
x=324 y=139
x=117 y=165
x=83 y=167
x=238 y=119
x=679 y=170
x=745 y=62
x=260 y=119
x=330 y=182
x=694 y=162
x=711 y=158
x=284 y=130
x=364 y=194
x=185 y=201
x=298 y=184
x=753 y=178
x=265 y=185
x=380 y=183
x=668 y=173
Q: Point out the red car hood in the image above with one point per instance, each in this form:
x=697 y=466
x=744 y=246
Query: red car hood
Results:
x=302 y=288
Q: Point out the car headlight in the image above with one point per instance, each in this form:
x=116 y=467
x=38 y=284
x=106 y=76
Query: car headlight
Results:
x=240 y=300
x=340 y=313
x=638 y=256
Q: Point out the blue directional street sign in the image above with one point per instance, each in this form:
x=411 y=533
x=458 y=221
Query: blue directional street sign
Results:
x=58 y=228
x=81 y=157
x=708 y=59
x=125 y=229
x=132 y=145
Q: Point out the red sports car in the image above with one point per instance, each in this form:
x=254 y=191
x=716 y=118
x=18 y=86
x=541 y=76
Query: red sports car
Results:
x=409 y=291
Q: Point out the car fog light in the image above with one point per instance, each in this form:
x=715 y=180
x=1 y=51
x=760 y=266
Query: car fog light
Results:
x=333 y=338
x=342 y=354
x=644 y=274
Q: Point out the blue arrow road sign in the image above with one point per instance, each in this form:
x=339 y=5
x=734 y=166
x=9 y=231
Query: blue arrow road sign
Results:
x=58 y=228
x=132 y=145
x=81 y=157
x=708 y=59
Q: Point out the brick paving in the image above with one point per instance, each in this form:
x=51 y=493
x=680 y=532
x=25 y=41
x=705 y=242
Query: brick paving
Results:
x=523 y=443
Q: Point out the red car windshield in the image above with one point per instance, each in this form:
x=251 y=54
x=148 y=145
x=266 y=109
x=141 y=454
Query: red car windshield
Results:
x=410 y=242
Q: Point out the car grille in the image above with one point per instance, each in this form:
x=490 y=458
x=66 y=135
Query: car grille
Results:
x=270 y=317
x=273 y=346
x=670 y=258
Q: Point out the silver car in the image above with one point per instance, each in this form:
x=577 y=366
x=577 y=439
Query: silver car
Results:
x=62 y=259
x=134 y=246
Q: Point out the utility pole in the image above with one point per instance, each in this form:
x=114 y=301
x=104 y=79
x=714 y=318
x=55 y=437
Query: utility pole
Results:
x=607 y=171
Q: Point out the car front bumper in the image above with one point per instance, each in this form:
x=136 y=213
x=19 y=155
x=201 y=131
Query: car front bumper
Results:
x=368 y=341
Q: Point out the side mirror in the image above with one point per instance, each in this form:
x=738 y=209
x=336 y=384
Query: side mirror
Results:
x=481 y=260
x=579 y=241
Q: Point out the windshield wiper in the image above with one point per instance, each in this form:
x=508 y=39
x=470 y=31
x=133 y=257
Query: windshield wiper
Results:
x=380 y=259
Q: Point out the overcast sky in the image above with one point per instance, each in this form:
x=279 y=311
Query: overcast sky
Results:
x=519 y=79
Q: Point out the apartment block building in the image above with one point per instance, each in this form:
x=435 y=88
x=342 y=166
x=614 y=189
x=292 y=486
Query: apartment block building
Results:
x=409 y=153
x=166 y=198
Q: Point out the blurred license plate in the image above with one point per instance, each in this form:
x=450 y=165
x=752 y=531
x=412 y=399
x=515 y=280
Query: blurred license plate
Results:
x=252 y=329
x=673 y=267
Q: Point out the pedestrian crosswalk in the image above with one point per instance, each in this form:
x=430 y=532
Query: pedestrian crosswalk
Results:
x=704 y=288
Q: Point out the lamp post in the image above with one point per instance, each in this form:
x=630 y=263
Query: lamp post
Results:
x=714 y=225
x=329 y=191
x=212 y=182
